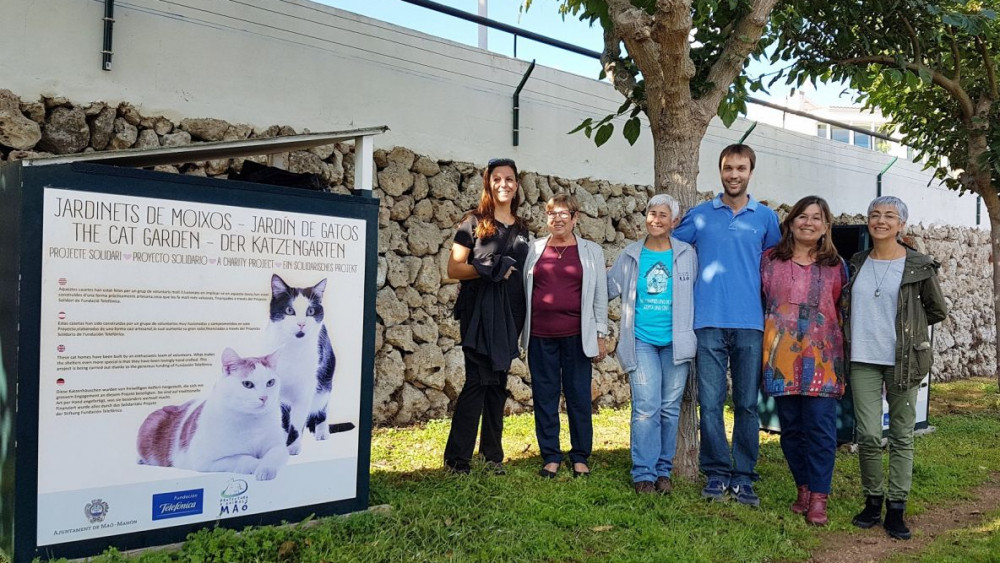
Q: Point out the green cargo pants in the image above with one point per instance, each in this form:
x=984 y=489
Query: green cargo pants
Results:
x=866 y=386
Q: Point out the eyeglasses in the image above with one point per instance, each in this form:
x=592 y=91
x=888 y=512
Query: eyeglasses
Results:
x=876 y=216
x=494 y=162
x=560 y=214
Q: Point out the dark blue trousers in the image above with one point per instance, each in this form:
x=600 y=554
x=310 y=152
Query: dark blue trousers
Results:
x=560 y=363
x=809 y=439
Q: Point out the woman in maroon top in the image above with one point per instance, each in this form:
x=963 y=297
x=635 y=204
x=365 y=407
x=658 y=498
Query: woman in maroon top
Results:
x=564 y=330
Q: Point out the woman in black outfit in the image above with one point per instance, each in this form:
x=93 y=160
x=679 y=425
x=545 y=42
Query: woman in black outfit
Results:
x=488 y=257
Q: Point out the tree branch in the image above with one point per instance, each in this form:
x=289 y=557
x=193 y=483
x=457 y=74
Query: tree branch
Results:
x=914 y=42
x=737 y=48
x=953 y=87
x=991 y=76
x=634 y=27
x=671 y=30
x=956 y=73
x=621 y=78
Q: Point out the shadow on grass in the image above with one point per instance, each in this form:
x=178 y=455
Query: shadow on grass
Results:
x=437 y=516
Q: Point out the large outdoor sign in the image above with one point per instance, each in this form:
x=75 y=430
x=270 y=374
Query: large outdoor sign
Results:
x=191 y=352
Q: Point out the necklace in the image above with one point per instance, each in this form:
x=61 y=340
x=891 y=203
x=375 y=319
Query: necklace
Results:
x=878 y=282
x=560 y=250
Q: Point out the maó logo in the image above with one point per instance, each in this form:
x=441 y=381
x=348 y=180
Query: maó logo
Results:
x=96 y=510
x=234 y=488
x=234 y=499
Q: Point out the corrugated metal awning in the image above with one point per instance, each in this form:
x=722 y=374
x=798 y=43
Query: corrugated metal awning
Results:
x=197 y=152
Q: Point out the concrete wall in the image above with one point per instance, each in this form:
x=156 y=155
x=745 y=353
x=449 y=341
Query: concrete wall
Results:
x=306 y=65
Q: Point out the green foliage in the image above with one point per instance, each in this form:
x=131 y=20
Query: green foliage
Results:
x=929 y=65
x=436 y=516
x=713 y=23
x=604 y=127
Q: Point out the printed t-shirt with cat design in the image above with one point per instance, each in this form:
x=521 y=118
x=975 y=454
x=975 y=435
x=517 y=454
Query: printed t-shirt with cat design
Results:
x=654 y=297
x=485 y=249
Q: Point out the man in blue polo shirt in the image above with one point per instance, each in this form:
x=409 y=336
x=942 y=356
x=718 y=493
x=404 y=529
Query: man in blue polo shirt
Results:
x=730 y=233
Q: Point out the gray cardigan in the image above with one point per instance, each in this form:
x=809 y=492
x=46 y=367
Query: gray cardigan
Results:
x=622 y=278
x=594 y=300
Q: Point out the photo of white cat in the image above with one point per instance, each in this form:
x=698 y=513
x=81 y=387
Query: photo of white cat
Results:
x=305 y=360
x=237 y=428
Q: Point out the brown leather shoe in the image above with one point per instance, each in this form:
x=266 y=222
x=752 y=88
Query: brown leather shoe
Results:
x=644 y=487
x=817 y=509
x=801 y=504
x=663 y=485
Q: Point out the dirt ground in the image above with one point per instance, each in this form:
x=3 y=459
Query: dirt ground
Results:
x=861 y=546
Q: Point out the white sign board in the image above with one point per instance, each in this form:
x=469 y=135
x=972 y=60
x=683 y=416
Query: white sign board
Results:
x=146 y=421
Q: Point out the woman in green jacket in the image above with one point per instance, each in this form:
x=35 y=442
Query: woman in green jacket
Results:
x=891 y=285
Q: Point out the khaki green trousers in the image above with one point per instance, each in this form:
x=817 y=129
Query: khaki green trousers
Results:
x=866 y=386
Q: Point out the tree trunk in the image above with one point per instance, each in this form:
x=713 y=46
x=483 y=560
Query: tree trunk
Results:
x=992 y=201
x=675 y=162
x=995 y=245
x=677 y=134
x=982 y=183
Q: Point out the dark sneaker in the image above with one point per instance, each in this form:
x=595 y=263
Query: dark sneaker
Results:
x=496 y=468
x=744 y=494
x=715 y=489
x=663 y=485
x=644 y=487
x=457 y=469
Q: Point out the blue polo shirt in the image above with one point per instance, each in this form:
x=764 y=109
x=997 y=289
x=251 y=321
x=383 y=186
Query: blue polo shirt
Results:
x=727 y=292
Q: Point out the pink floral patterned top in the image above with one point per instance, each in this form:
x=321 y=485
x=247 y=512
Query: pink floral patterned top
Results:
x=803 y=328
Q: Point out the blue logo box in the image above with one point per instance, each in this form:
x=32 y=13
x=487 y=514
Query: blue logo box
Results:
x=177 y=504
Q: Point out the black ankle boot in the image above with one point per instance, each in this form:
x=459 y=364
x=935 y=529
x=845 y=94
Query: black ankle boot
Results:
x=894 y=524
x=871 y=515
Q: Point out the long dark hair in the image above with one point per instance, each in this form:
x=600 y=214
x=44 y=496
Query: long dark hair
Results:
x=826 y=253
x=484 y=212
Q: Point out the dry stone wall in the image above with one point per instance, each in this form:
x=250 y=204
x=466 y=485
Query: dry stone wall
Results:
x=419 y=364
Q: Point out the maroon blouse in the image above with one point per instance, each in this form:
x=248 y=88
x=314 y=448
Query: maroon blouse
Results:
x=558 y=290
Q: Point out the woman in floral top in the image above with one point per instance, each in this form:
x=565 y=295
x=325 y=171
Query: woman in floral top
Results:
x=804 y=370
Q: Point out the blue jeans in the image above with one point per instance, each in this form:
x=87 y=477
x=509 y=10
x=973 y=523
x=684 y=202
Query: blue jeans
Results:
x=739 y=349
x=657 y=389
x=555 y=363
x=809 y=439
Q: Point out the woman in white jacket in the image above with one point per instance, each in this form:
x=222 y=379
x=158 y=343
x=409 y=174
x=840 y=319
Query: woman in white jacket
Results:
x=564 y=330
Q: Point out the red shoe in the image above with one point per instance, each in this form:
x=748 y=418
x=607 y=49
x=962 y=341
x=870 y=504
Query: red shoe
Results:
x=801 y=504
x=817 y=509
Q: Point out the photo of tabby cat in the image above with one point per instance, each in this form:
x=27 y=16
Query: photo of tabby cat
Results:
x=237 y=428
x=305 y=360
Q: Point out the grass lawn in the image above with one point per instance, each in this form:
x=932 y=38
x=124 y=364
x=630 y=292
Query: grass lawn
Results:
x=436 y=516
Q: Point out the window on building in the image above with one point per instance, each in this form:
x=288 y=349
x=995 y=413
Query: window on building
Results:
x=863 y=140
x=840 y=134
x=822 y=130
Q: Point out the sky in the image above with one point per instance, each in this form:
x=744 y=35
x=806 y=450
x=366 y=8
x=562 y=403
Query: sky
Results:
x=543 y=18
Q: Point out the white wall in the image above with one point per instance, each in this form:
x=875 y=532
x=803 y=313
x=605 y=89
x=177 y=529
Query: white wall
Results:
x=293 y=62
